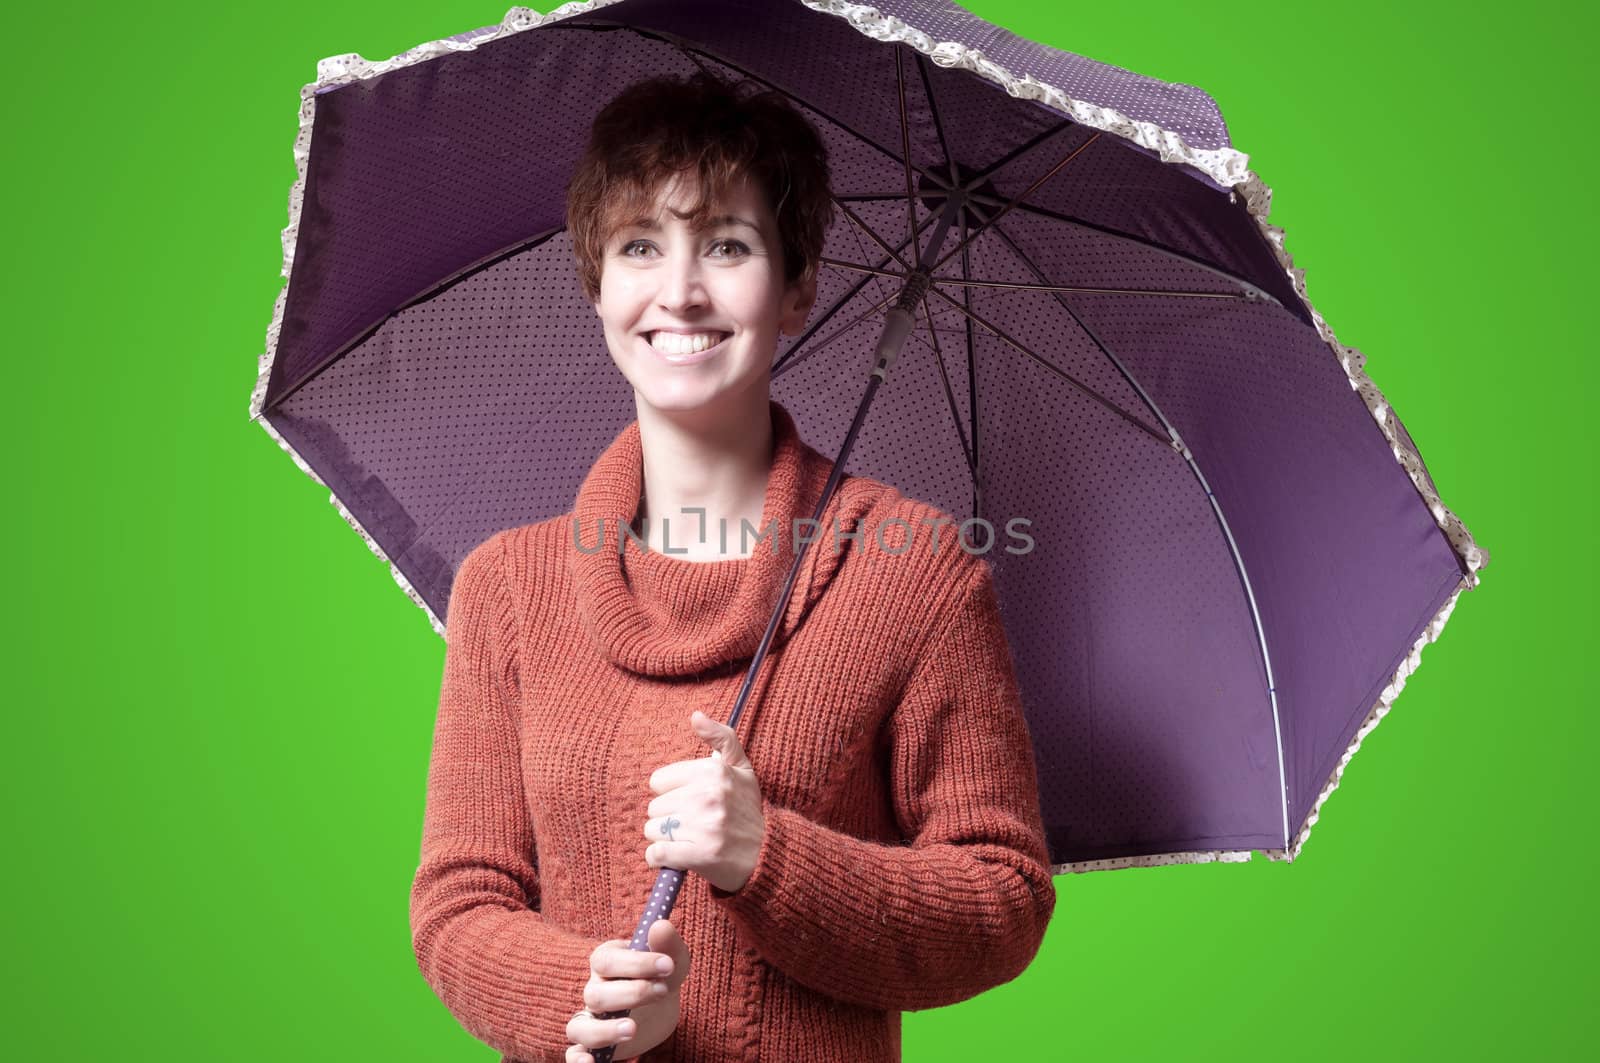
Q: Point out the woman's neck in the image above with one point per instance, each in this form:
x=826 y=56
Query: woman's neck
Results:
x=705 y=478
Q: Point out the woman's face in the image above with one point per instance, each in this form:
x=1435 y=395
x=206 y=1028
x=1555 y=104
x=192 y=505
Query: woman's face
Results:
x=692 y=318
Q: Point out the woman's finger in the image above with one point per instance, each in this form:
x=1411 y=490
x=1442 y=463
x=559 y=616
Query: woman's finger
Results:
x=590 y=1032
x=622 y=994
x=578 y=1054
x=617 y=960
x=668 y=827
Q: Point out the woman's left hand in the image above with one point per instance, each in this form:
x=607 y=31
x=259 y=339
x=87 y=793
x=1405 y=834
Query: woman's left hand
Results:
x=708 y=818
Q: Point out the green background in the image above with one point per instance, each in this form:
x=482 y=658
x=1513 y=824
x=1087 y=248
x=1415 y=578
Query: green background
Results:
x=219 y=737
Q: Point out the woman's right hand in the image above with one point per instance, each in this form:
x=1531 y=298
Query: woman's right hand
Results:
x=622 y=979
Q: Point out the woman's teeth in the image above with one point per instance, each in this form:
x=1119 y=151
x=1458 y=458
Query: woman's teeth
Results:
x=680 y=343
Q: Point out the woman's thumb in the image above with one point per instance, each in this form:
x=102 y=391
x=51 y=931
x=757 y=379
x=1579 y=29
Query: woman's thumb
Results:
x=664 y=937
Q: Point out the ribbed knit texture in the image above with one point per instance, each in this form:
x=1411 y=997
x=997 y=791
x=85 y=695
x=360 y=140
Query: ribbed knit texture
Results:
x=904 y=863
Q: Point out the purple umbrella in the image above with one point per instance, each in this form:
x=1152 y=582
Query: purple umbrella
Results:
x=1063 y=280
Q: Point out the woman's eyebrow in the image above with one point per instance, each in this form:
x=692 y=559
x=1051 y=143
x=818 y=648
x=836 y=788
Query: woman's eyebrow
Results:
x=649 y=224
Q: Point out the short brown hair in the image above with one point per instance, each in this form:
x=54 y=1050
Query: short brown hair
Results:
x=662 y=126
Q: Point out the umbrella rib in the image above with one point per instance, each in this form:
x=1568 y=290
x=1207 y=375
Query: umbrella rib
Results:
x=972 y=369
x=938 y=123
x=864 y=227
x=1025 y=146
x=949 y=394
x=870 y=197
x=856 y=235
x=858 y=268
x=1216 y=509
x=905 y=153
x=693 y=51
x=790 y=363
x=1101 y=291
x=1149 y=245
x=1041 y=179
x=1033 y=268
x=841 y=264
x=494 y=258
x=790 y=355
x=696 y=52
x=1063 y=374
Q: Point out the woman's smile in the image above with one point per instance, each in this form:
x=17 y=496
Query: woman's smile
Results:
x=686 y=348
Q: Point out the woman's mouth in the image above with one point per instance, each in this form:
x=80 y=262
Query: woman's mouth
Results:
x=677 y=348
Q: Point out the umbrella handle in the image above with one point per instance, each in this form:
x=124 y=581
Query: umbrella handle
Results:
x=662 y=896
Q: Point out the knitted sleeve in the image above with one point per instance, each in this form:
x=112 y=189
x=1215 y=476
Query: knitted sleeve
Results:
x=511 y=978
x=963 y=906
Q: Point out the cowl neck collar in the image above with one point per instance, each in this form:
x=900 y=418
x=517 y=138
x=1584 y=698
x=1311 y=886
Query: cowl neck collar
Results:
x=658 y=614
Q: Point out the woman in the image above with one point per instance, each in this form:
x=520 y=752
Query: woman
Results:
x=871 y=842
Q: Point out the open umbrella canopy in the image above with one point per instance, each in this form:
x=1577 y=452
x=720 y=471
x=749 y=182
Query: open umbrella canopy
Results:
x=1235 y=554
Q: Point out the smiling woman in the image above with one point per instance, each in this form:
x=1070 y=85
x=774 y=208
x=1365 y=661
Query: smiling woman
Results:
x=675 y=294
x=697 y=217
x=880 y=848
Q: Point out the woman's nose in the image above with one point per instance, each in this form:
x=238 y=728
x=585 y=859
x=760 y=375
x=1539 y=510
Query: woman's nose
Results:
x=681 y=284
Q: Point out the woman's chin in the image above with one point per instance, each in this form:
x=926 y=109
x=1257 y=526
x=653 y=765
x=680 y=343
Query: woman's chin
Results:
x=689 y=397
x=680 y=396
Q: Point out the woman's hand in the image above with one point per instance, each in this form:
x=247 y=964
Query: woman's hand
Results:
x=708 y=817
x=621 y=979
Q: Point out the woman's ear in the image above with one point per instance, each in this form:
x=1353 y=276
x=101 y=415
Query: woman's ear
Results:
x=797 y=301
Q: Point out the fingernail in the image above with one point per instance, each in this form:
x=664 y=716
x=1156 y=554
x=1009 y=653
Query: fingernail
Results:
x=627 y=1027
x=664 y=965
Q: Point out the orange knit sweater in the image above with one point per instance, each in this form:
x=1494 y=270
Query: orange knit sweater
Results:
x=904 y=863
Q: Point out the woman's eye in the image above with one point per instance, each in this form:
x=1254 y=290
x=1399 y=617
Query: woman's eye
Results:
x=734 y=248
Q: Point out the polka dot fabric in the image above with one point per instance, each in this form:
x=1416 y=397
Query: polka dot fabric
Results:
x=1216 y=548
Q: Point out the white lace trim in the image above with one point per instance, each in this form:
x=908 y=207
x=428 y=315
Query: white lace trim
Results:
x=1195 y=856
x=1226 y=166
x=1380 y=709
x=350 y=518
